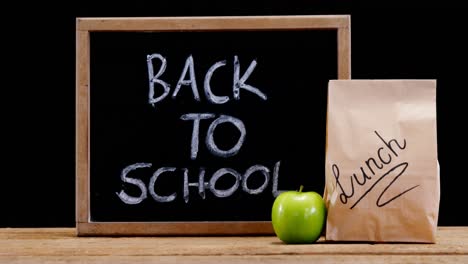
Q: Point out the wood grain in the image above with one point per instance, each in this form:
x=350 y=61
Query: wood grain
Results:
x=82 y=125
x=344 y=52
x=393 y=259
x=212 y=23
x=176 y=228
x=60 y=245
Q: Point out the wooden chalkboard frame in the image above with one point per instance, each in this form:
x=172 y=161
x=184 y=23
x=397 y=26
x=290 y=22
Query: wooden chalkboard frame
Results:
x=84 y=26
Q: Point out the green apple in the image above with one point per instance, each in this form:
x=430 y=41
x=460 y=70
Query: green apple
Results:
x=298 y=217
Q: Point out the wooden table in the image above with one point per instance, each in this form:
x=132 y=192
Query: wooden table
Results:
x=60 y=245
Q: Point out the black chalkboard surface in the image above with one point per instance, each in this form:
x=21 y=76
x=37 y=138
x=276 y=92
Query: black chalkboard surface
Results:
x=195 y=125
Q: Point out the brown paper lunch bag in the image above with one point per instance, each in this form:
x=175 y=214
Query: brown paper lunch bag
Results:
x=382 y=174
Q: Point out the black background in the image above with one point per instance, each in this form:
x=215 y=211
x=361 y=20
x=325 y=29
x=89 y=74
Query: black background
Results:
x=390 y=40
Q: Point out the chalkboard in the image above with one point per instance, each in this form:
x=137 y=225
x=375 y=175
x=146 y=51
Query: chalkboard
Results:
x=195 y=125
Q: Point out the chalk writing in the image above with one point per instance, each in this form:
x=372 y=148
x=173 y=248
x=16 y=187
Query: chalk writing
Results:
x=155 y=78
x=156 y=197
x=191 y=81
x=212 y=98
x=139 y=183
x=210 y=144
x=195 y=131
x=187 y=78
x=201 y=184
x=266 y=174
x=239 y=82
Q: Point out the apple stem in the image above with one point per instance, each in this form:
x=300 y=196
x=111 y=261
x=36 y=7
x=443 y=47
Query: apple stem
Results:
x=300 y=188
